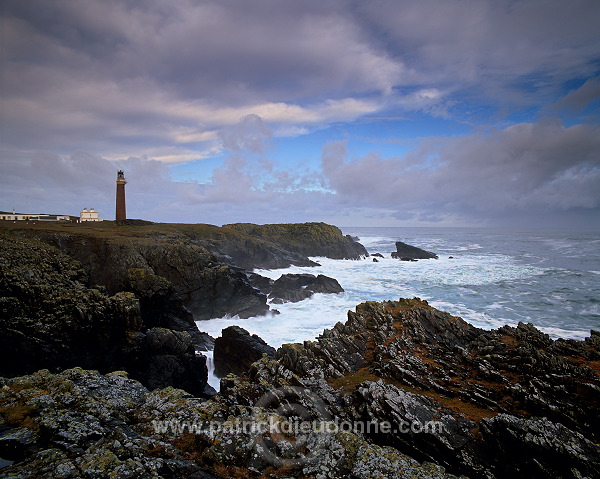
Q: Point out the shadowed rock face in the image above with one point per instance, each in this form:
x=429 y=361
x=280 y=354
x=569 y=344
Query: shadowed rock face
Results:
x=201 y=262
x=236 y=350
x=305 y=239
x=206 y=286
x=52 y=319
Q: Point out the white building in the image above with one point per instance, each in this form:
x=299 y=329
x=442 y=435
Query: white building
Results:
x=32 y=217
x=91 y=215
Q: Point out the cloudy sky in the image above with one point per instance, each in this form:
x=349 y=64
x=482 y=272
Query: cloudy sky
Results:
x=378 y=113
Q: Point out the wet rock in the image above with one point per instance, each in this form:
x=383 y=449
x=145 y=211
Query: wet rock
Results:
x=263 y=283
x=236 y=350
x=408 y=252
x=296 y=287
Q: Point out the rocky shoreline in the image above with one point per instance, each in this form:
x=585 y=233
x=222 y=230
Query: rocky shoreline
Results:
x=102 y=378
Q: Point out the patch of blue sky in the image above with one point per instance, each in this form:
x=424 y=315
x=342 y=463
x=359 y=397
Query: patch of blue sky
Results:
x=387 y=136
x=199 y=171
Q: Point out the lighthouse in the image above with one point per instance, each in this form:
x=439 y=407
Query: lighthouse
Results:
x=120 y=211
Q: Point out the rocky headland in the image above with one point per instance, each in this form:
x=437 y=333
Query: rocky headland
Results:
x=53 y=318
x=102 y=375
x=206 y=266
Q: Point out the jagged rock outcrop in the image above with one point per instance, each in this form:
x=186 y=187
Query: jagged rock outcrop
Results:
x=52 y=319
x=398 y=385
x=235 y=350
x=490 y=392
x=407 y=252
x=296 y=287
x=80 y=424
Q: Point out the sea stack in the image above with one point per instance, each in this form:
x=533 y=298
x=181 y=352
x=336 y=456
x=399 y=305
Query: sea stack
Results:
x=120 y=210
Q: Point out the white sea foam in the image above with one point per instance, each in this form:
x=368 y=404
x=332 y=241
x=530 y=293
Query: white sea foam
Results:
x=489 y=283
x=213 y=380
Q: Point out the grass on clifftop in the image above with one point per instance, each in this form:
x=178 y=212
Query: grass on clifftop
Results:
x=105 y=229
x=288 y=233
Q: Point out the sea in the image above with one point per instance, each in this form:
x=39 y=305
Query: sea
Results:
x=488 y=277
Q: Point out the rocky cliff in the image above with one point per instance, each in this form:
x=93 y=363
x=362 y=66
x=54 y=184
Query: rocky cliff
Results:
x=208 y=287
x=304 y=239
x=204 y=264
x=52 y=319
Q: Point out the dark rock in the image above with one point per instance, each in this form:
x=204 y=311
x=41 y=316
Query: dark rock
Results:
x=378 y=255
x=200 y=263
x=556 y=450
x=208 y=287
x=58 y=322
x=407 y=252
x=292 y=287
x=493 y=393
x=296 y=287
x=79 y=424
x=17 y=443
x=375 y=260
x=204 y=342
x=300 y=239
x=236 y=350
x=325 y=284
x=263 y=283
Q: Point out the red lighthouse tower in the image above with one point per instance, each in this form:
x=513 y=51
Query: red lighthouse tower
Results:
x=120 y=212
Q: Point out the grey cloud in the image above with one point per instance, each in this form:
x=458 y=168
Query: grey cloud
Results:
x=582 y=97
x=168 y=80
x=525 y=168
x=115 y=69
x=249 y=134
x=488 y=48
